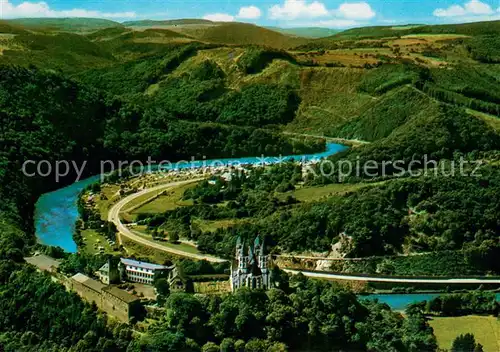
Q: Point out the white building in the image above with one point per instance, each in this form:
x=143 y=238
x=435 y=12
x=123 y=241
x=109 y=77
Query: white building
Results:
x=141 y=272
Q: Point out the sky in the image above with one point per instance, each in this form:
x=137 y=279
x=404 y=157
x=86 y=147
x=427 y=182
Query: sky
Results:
x=282 y=13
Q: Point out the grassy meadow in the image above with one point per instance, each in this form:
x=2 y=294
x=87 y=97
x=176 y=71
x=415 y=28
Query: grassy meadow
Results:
x=486 y=330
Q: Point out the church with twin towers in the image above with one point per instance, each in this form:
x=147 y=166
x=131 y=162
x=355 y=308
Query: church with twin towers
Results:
x=251 y=266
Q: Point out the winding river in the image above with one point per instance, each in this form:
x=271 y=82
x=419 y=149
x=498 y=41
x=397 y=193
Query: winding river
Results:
x=398 y=301
x=56 y=213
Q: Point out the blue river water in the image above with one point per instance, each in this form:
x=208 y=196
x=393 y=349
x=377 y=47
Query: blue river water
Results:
x=56 y=212
x=401 y=301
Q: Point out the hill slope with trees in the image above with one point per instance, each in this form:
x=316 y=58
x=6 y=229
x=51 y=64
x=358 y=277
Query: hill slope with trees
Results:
x=123 y=94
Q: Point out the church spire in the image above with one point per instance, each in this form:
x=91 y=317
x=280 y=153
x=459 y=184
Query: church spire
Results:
x=256 y=243
x=262 y=247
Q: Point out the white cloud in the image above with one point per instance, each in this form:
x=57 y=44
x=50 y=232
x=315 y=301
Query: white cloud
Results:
x=476 y=7
x=452 y=11
x=293 y=9
x=346 y=15
x=246 y=12
x=249 y=12
x=356 y=10
x=42 y=9
x=471 y=8
x=219 y=17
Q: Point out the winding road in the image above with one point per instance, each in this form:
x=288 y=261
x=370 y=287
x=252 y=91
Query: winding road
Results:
x=114 y=217
x=325 y=275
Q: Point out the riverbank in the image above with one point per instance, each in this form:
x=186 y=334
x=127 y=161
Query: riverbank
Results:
x=400 y=302
x=56 y=212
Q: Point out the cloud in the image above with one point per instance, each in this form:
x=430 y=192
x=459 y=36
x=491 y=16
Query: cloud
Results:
x=42 y=9
x=219 y=17
x=476 y=7
x=246 y=13
x=471 y=8
x=249 y=12
x=356 y=10
x=293 y=9
x=452 y=11
x=347 y=14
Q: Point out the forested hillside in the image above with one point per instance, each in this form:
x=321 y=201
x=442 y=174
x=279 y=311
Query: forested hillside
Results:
x=88 y=91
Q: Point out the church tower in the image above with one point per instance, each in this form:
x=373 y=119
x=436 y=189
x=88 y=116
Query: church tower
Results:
x=250 y=269
x=260 y=253
x=263 y=260
x=240 y=255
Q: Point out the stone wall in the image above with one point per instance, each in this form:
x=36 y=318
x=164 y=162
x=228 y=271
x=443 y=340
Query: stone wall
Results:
x=104 y=300
x=87 y=293
x=115 y=306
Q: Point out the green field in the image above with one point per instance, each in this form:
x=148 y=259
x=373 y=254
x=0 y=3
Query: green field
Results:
x=152 y=255
x=93 y=240
x=310 y=194
x=110 y=195
x=491 y=120
x=179 y=246
x=208 y=225
x=169 y=200
x=486 y=330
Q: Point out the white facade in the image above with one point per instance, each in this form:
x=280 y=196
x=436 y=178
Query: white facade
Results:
x=251 y=269
x=141 y=272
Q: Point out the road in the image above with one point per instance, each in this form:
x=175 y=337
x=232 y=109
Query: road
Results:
x=114 y=217
x=320 y=275
x=351 y=142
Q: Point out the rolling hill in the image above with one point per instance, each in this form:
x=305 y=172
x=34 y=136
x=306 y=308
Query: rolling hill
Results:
x=306 y=32
x=11 y=28
x=91 y=90
x=64 y=24
x=470 y=29
x=236 y=33
x=159 y=23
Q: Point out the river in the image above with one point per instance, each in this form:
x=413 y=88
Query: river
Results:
x=399 y=301
x=56 y=212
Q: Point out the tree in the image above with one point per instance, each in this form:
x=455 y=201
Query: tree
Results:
x=277 y=347
x=163 y=341
x=210 y=347
x=466 y=343
x=227 y=345
x=173 y=237
x=162 y=286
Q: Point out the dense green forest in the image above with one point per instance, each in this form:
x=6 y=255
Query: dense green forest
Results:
x=423 y=214
x=117 y=94
x=301 y=315
x=475 y=302
x=43 y=115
